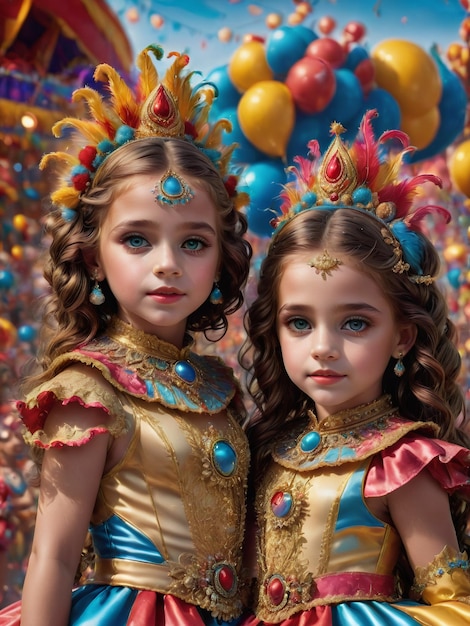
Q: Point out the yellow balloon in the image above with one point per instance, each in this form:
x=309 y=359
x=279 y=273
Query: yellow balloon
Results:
x=266 y=113
x=421 y=129
x=455 y=252
x=459 y=167
x=7 y=333
x=248 y=65
x=409 y=74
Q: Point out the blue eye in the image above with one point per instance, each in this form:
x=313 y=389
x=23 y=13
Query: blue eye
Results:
x=136 y=241
x=356 y=325
x=298 y=324
x=194 y=245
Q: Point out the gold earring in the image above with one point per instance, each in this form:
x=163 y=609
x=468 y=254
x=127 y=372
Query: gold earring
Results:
x=399 y=368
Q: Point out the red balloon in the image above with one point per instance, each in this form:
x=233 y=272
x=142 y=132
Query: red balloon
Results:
x=312 y=83
x=326 y=24
x=327 y=49
x=465 y=4
x=365 y=73
x=354 y=31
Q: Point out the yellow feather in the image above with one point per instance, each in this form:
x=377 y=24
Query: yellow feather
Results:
x=91 y=131
x=122 y=96
x=148 y=79
x=68 y=196
x=98 y=109
x=64 y=157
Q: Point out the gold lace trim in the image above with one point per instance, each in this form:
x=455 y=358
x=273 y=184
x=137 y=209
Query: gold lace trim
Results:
x=446 y=562
x=141 y=341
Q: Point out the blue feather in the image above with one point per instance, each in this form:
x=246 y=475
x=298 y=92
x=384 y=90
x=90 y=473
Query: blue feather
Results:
x=412 y=245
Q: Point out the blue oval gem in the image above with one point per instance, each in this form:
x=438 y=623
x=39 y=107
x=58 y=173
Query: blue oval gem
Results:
x=185 y=371
x=171 y=186
x=224 y=458
x=281 y=503
x=310 y=441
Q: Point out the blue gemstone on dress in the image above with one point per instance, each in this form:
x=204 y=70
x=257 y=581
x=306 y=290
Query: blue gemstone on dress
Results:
x=224 y=458
x=171 y=187
x=185 y=371
x=310 y=441
x=281 y=503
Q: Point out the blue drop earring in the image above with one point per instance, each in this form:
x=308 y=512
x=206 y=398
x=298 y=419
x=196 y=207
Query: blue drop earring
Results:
x=399 y=368
x=96 y=296
x=216 y=296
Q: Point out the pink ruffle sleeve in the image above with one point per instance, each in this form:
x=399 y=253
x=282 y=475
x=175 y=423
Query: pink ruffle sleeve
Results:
x=393 y=467
x=74 y=384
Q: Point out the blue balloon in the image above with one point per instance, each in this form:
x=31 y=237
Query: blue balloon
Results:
x=355 y=56
x=27 y=333
x=348 y=97
x=7 y=279
x=284 y=47
x=227 y=94
x=387 y=107
x=306 y=33
x=308 y=127
x=245 y=152
x=263 y=182
x=454 y=277
x=452 y=108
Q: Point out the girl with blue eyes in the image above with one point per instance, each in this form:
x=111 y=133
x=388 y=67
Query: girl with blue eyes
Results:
x=361 y=476
x=139 y=440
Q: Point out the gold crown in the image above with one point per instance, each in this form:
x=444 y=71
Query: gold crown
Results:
x=170 y=108
x=356 y=177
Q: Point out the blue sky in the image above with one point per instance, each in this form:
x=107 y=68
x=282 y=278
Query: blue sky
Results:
x=193 y=25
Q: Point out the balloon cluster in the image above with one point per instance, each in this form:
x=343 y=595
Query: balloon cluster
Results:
x=281 y=92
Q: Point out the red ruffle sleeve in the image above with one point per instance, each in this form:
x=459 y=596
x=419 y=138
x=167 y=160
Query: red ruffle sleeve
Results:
x=449 y=464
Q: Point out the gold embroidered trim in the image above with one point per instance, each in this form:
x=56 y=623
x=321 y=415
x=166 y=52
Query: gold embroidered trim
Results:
x=448 y=561
x=324 y=264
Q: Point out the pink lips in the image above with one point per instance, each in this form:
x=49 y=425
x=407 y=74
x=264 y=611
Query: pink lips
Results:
x=326 y=377
x=166 y=295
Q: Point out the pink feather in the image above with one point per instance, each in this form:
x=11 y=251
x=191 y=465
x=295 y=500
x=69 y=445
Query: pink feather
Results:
x=399 y=135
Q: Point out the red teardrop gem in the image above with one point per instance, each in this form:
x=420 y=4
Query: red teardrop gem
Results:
x=334 y=168
x=161 y=106
x=276 y=590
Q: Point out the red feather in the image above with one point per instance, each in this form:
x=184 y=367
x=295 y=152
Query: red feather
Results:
x=366 y=151
x=413 y=221
x=402 y=194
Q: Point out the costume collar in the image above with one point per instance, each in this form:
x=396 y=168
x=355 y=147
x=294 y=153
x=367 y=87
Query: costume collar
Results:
x=144 y=366
x=349 y=435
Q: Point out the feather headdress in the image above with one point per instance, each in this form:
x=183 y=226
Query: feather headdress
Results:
x=171 y=107
x=358 y=178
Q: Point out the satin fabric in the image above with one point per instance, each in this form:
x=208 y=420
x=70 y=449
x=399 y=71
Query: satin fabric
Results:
x=316 y=534
x=376 y=614
x=102 y=605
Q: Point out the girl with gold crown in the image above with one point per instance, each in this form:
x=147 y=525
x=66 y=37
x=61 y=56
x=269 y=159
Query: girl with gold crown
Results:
x=139 y=438
x=361 y=471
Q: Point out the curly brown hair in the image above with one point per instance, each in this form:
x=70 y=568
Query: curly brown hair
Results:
x=69 y=317
x=429 y=389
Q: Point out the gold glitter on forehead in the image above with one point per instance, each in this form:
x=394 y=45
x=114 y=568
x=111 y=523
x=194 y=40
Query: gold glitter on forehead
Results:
x=324 y=264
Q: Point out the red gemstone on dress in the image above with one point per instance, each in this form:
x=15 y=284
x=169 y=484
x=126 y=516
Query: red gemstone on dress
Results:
x=226 y=577
x=334 y=168
x=276 y=589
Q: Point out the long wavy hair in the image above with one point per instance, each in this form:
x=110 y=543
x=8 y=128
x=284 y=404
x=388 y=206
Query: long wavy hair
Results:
x=69 y=317
x=428 y=390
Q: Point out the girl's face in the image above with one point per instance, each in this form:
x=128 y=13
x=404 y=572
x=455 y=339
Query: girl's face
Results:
x=160 y=261
x=337 y=334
